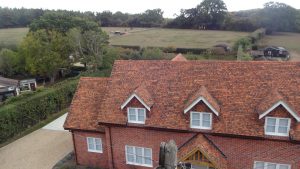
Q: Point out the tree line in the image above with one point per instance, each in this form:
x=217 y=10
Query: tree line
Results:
x=209 y=14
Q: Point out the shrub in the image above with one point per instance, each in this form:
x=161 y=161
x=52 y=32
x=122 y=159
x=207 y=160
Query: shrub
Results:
x=18 y=115
x=244 y=42
x=152 y=54
x=257 y=35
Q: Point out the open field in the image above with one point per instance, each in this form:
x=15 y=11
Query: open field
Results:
x=12 y=36
x=290 y=41
x=184 y=38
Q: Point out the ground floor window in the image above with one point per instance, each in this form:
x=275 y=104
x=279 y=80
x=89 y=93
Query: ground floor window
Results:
x=94 y=144
x=138 y=156
x=267 y=165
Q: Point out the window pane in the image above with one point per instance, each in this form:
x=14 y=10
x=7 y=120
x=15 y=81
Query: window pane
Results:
x=147 y=154
x=283 y=122
x=195 y=122
x=196 y=116
x=132 y=117
x=141 y=116
x=271 y=129
x=271 y=166
x=282 y=130
x=90 y=140
x=129 y=150
x=206 y=124
x=139 y=155
x=130 y=158
x=259 y=165
x=206 y=117
x=98 y=147
x=283 y=167
x=131 y=111
x=271 y=121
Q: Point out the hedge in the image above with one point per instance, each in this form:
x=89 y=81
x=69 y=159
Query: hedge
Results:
x=16 y=116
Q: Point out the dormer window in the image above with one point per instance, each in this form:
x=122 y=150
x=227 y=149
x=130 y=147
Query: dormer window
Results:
x=277 y=126
x=136 y=115
x=201 y=120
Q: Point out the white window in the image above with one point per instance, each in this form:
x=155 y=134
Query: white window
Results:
x=277 y=126
x=94 y=144
x=136 y=115
x=267 y=165
x=138 y=156
x=200 y=120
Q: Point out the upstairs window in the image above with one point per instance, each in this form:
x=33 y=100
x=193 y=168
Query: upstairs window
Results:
x=136 y=115
x=94 y=144
x=267 y=165
x=138 y=156
x=277 y=126
x=201 y=120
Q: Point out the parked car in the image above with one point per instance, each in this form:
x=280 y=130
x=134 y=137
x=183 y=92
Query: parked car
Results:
x=274 y=51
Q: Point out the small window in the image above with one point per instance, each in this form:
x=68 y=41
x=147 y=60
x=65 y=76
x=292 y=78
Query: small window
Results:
x=138 y=156
x=201 y=120
x=136 y=115
x=277 y=126
x=94 y=145
x=267 y=165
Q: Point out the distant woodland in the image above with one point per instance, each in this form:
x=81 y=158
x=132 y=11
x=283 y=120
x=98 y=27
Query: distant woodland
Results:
x=209 y=14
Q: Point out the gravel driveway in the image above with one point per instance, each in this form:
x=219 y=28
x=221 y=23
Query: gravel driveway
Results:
x=41 y=149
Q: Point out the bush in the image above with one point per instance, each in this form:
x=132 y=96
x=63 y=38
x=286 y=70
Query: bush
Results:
x=257 y=35
x=244 y=42
x=18 y=115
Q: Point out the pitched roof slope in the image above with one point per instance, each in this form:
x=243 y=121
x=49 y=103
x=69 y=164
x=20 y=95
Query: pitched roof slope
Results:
x=179 y=58
x=237 y=86
x=85 y=104
x=8 y=82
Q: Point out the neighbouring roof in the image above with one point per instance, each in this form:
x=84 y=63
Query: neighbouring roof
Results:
x=8 y=82
x=237 y=88
x=179 y=57
x=86 y=103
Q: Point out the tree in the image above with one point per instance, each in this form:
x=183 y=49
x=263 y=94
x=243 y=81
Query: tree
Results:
x=45 y=52
x=212 y=13
x=8 y=62
x=89 y=46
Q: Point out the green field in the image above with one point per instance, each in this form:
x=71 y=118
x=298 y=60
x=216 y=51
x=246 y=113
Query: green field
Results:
x=183 y=38
x=290 y=41
x=12 y=36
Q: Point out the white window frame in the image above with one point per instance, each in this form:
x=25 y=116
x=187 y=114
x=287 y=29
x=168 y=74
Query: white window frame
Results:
x=94 y=143
x=136 y=115
x=134 y=153
x=276 y=133
x=201 y=120
x=268 y=163
x=192 y=167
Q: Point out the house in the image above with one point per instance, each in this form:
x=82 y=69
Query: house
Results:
x=8 y=88
x=274 y=51
x=221 y=114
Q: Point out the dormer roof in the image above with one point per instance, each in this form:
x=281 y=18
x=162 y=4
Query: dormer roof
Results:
x=273 y=100
x=142 y=95
x=179 y=58
x=202 y=95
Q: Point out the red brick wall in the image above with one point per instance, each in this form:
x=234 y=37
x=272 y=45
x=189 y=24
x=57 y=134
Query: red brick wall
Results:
x=89 y=158
x=142 y=138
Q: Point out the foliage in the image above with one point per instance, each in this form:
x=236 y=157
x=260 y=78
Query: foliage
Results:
x=17 y=116
x=10 y=62
x=110 y=55
x=45 y=52
x=89 y=46
x=245 y=43
x=151 y=54
x=242 y=56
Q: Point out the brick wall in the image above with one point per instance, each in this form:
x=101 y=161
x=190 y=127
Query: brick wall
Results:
x=89 y=158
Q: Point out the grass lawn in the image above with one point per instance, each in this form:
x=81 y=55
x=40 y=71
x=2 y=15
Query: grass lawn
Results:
x=12 y=36
x=156 y=37
x=290 y=41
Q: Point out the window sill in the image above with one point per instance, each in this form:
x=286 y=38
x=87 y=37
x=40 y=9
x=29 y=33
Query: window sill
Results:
x=134 y=122
x=136 y=164
x=200 y=128
x=95 y=151
x=276 y=134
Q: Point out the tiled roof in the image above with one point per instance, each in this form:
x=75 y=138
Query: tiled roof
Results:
x=201 y=143
x=202 y=93
x=179 y=58
x=83 y=110
x=237 y=87
x=8 y=82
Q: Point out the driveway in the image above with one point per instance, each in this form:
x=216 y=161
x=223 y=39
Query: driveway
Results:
x=41 y=149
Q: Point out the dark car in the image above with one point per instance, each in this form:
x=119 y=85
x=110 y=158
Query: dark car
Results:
x=274 y=51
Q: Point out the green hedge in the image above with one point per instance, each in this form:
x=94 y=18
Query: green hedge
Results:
x=16 y=116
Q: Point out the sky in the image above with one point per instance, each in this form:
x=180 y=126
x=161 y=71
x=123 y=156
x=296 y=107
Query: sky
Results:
x=170 y=7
